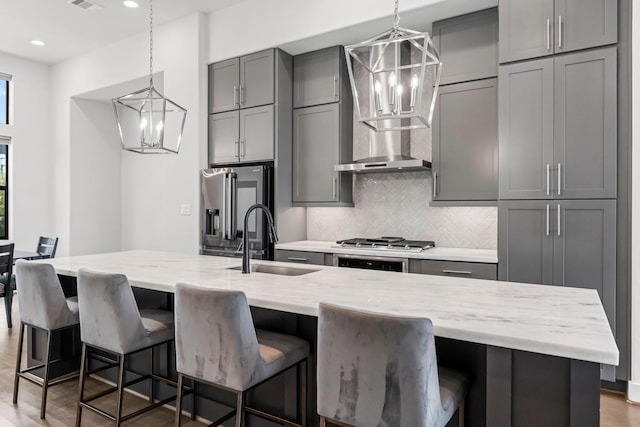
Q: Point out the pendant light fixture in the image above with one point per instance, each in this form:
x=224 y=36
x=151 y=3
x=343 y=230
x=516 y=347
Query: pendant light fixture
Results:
x=149 y=122
x=394 y=78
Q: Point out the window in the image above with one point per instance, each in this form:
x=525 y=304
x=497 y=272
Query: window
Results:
x=4 y=98
x=4 y=186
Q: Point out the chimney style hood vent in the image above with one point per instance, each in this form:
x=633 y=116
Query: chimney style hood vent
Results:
x=388 y=152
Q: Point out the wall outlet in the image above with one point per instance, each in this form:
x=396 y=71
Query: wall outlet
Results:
x=185 y=209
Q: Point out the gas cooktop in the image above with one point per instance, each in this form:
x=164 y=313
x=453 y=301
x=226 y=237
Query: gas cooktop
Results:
x=386 y=243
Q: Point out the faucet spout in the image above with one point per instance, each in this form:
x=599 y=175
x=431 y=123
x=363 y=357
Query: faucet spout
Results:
x=273 y=236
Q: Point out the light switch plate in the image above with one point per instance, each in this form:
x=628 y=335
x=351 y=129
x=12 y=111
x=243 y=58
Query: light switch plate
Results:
x=185 y=209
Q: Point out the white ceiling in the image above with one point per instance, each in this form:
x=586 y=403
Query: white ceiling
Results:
x=69 y=30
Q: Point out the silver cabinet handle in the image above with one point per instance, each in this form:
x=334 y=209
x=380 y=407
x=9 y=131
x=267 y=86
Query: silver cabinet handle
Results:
x=243 y=143
x=237 y=142
x=548 y=34
x=548 y=179
x=559 y=179
x=335 y=86
x=235 y=95
x=558 y=219
x=335 y=187
x=435 y=184
x=295 y=258
x=240 y=93
x=457 y=272
x=547 y=219
x=560 y=31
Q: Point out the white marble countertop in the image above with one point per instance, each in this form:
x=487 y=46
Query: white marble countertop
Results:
x=565 y=322
x=437 y=253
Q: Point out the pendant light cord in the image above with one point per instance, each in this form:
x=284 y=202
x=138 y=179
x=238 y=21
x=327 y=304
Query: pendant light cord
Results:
x=396 y=18
x=151 y=43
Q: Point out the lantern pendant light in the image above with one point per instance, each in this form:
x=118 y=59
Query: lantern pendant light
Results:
x=149 y=122
x=394 y=78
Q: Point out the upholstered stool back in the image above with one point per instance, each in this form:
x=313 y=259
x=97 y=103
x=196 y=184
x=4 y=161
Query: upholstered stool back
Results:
x=218 y=327
x=109 y=316
x=376 y=370
x=42 y=301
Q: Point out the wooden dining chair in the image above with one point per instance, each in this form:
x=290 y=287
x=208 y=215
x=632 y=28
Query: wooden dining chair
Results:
x=6 y=284
x=47 y=246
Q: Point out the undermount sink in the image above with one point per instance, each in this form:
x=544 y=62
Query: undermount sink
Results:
x=276 y=269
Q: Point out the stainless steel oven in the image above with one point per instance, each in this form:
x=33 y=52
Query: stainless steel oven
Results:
x=369 y=262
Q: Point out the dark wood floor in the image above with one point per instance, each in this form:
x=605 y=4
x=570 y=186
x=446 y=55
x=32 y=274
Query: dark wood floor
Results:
x=61 y=406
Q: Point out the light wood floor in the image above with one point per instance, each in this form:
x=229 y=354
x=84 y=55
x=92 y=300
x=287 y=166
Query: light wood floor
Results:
x=61 y=405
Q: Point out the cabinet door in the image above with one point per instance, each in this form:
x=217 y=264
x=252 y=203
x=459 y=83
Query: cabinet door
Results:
x=525 y=241
x=468 y=46
x=526 y=29
x=585 y=137
x=526 y=130
x=257 y=79
x=585 y=248
x=585 y=23
x=224 y=84
x=465 y=141
x=316 y=77
x=316 y=138
x=223 y=137
x=256 y=134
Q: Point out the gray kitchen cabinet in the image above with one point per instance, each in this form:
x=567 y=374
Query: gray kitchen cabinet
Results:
x=468 y=46
x=558 y=127
x=256 y=134
x=317 y=77
x=585 y=136
x=301 y=257
x=526 y=129
x=468 y=270
x=224 y=81
x=242 y=136
x=465 y=142
x=317 y=148
x=256 y=79
x=223 y=130
x=534 y=28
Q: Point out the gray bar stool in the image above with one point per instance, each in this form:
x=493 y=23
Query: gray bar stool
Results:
x=43 y=306
x=217 y=344
x=110 y=321
x=378 y=370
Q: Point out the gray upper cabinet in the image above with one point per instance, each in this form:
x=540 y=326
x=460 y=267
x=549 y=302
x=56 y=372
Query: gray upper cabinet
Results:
x=526 y=129
x=256 y=134
x=468 y=46
x=585 y=136
x=256 y=79
x=223 y=129
x=224 y=82
x=465 y=142
x=316 y=77
x=534 y=28
x=558 y=127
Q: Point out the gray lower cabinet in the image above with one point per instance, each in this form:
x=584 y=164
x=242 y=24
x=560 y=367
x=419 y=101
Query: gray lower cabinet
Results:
x=317 y=77
x=242 y=136
x=317 y=135
x=534 y=28
x=465 y=142
x=467 y=270
x=303 y=257
x=468 y=46
x=562 y=243
x=558 y=122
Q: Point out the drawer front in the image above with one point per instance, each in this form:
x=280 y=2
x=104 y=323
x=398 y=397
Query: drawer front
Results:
x=300 y=257
x=470 y=270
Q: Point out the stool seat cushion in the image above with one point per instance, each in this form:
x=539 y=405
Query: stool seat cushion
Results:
x=278 y=352
x=453 y=386
x=72 y=303
x=158 y=324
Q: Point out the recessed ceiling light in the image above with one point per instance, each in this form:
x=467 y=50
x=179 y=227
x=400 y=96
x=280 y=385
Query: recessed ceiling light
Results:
x=37 y=43
x=131 y=4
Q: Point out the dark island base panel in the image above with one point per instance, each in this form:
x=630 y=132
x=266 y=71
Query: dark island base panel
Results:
x=508 y=387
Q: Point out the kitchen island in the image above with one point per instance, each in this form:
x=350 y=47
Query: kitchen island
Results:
x=533 y=352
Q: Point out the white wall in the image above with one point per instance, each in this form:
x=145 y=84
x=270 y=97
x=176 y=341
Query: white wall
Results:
x=30 y=162
x=152 y=187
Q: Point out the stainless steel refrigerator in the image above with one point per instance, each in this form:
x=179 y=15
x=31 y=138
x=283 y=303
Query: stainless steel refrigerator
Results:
x=228 y=193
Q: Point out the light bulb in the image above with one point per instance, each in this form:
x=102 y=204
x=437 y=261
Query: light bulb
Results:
x=414 y=82
x=399 y=89
x=143 y=123
x=378 y=95
x=392 y=79
x=378 y=87
x=159 y=126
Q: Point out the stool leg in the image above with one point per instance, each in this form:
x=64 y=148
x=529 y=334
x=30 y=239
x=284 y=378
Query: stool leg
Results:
x=240 y=410
x=179 y=401
x=193 y=400
x=302 y=385
x=8 y=299
x=323 y=422
x=18 y=363
x=120 y=390
x=151 y=380
x=45 y=384
x=461 y=414
x=83 y=359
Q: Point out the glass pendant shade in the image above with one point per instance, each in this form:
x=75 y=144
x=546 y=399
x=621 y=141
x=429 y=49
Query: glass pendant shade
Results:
x=395 y=78
x=148 y=122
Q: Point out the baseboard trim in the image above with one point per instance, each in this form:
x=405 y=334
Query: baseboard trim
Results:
x=633 y=392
